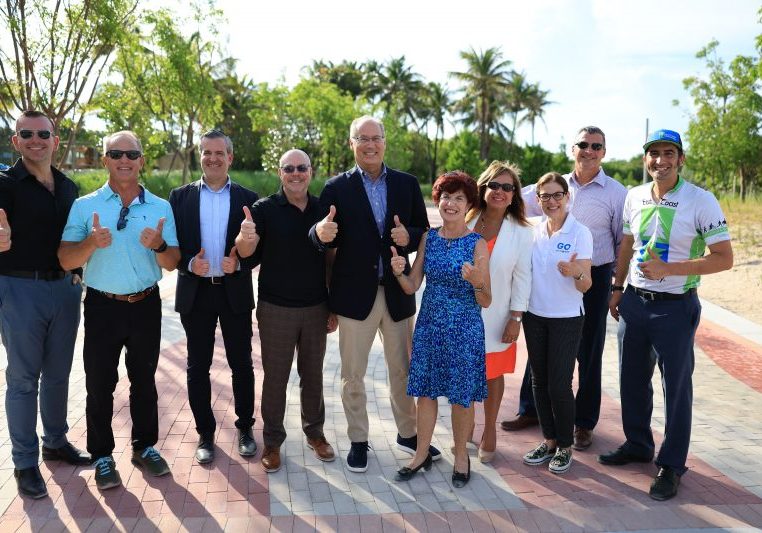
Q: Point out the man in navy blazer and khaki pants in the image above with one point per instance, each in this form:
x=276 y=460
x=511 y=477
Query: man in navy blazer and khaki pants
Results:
x=370 y=209
x=212 y=284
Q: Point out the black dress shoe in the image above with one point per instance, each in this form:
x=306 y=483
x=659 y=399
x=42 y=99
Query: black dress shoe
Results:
x=30 y=482
x=67 y=453
x=247 y=446
x=459 y=479
x=665 y=484
x=405 y=473
x=622 y=457
x=205 y=449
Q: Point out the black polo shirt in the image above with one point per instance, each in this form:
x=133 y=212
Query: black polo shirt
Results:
x=37 y=218
x=292 y=270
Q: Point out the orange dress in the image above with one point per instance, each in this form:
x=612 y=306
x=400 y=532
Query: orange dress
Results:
x=499 y=363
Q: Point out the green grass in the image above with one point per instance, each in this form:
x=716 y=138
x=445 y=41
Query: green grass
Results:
x=745 y=222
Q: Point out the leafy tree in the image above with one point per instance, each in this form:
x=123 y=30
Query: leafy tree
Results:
x=434 y=111
x=57 y=54
x=348 y=76
x=535 y=101
x=463 y=153
x=724 y=133
x=516 y=99
x=237 y=102
x=398 y=89
x=485 y=83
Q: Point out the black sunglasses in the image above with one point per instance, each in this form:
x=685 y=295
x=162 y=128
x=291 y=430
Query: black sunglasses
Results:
x=507 y=187
x=290 y=169
x=28 y=134
x=584 y=145
x=132 y=155
x=122 y=222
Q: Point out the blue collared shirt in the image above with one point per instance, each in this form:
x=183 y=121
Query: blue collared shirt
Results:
x=126 y=266
x=214 y=210
x=375 y=189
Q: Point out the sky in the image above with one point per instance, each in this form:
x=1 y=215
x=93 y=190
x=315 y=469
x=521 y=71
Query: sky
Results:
x=608 y=63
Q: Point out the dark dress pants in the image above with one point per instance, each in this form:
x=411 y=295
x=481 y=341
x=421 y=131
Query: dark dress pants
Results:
x=110 y=326
x=200 y=325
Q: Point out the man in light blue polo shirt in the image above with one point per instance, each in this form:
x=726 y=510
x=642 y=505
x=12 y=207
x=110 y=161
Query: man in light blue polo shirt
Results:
x=124 y=235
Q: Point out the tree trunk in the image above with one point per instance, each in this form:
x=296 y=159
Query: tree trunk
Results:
x=187 y=151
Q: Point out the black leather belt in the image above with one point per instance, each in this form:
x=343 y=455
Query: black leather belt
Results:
x=215 y=280
x=129 y=298
x=45 y=275
x=655 y=296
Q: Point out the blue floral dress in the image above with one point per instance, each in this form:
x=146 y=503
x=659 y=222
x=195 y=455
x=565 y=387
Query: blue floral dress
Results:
x=448 y=342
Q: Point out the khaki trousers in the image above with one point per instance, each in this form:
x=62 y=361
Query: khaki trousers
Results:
x=355 y=340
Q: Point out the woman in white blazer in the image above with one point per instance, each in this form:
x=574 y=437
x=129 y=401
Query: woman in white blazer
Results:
x=499 y=218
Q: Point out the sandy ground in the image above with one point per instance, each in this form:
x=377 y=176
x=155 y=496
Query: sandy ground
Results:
x=739 y=289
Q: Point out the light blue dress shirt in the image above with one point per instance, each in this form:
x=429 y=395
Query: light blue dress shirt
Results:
x=376 y=191
x=214 y=211
x=126 y=266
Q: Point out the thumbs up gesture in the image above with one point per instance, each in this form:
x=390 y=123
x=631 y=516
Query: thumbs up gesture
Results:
x=327 y=229
x=151 y=238
x=230 y=263
x=199 y=265
x=474 y=274
x=570 y=267
x=398 y=262
x=248 y=227
x=101 y=236
x=654 y=268
x=400 y=236
x=5 y=232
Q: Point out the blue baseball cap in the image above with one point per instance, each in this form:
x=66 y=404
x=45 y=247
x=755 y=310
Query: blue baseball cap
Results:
x=663 y=136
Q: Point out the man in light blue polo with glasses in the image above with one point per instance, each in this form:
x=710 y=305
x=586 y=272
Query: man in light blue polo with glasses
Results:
x=124 y=235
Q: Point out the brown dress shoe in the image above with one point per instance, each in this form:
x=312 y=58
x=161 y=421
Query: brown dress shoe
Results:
x=583 y=438
x=322 y=449
x=271 y=459
x=519 y=423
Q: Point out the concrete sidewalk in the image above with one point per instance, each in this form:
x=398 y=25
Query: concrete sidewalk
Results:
x=722 y=490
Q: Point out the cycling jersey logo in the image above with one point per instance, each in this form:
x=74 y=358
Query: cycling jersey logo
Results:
x=563 y=247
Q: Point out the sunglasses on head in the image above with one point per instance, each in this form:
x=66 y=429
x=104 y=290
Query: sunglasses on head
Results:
x=28 y=134
x=290 y=169
x=122 y=222
x=132 y=155
x=507 y=187
x=584 y=145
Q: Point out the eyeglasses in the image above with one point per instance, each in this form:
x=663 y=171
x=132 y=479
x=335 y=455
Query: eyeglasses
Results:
x=362 y=139
x=28 y=134
x=584 y=145
x=557 y=196
x=122 y=222
x=290 y=169
x=507 y=187
x=456 y=199
x=132 y=155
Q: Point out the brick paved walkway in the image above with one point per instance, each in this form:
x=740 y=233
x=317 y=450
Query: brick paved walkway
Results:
x=722 y=490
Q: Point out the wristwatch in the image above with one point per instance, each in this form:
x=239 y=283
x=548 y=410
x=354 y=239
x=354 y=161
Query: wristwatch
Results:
x=615 y=288
x=162 y=247
x=516 y=318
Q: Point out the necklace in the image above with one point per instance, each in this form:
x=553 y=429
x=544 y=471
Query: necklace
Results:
x=450 y=239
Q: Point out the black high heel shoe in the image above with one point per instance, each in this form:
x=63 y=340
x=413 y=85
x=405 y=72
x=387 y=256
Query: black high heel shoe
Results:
x=405 y=473
x=460 y=479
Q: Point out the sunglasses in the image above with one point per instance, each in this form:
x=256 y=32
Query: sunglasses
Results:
x=556 y=196
x=290 y=169
x=132 y=155
x=122 y=222
x=28 y=134
x=584 y=145
x=507 y=187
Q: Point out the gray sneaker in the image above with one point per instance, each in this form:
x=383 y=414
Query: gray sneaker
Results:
x=149 y=459
x=540 y=455
x=561 y=461
x=106 y=476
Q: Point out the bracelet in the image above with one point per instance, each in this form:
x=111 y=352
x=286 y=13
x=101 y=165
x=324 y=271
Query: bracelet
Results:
x=615 y=288
x=479 y=289
x=162 y=247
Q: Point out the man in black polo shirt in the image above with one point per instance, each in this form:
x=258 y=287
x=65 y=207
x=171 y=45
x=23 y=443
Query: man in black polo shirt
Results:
x=292 y=311
x=39 y=314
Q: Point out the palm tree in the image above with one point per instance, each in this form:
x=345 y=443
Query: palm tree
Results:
x=485 y=83
x=398 y=88
x=516 y=99
x=436 y=106
x=535 y=106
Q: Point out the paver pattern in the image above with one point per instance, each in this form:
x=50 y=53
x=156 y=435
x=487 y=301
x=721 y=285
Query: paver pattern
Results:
x=722 y=490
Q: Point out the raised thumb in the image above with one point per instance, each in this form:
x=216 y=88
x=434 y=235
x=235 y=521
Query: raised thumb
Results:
x=160 y=225
x=397 y=221
x=3 y=218
x=247 y=213
x=232 y=254
x=331 y=213
x=394 y=251
x=200 y=254
x=573 y=257
x=96 y=221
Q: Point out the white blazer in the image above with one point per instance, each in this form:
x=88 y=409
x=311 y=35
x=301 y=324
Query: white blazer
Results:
x=510 y=270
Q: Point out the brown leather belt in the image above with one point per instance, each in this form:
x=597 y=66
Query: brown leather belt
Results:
x=129 y=298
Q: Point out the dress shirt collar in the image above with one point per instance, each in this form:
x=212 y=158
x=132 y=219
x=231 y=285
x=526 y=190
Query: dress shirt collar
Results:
x=366 y=177
x=599 y=178
x=221 y=189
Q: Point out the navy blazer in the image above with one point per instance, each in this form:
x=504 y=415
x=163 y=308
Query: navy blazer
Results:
x=185 y=202
x=354 y=277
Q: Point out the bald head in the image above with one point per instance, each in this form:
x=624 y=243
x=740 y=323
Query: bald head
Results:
x=294 y=155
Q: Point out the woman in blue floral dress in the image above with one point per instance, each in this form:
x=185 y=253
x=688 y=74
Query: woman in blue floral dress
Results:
x=448 y=342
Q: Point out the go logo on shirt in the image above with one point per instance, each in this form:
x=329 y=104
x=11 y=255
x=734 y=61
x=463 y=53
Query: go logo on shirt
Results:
x=563 y=247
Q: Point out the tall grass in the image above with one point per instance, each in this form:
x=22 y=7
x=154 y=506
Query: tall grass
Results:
x=745 y=222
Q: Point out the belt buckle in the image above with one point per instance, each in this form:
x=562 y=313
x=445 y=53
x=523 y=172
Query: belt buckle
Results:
x=650 y=296
x=216 y=280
